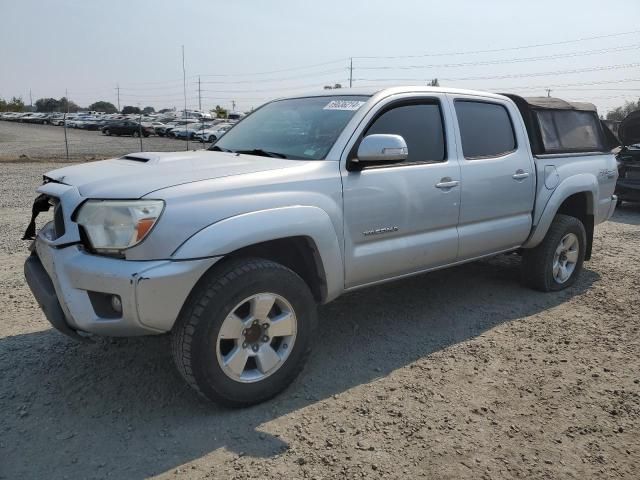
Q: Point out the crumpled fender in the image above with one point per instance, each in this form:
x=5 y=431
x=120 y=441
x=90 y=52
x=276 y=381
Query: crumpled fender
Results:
x=583 y=182
x=233 y=233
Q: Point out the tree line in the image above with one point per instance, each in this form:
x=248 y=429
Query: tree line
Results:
x=63 y=104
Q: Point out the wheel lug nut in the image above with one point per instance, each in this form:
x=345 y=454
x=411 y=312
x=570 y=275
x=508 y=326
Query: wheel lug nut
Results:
x=265 y=339
x=244 y=332
x=265 y=325
x=244 y=345
x=284 y=345
x=255 y=348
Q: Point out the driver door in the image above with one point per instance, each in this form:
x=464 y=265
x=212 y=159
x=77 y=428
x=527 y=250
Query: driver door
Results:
x=402 y=218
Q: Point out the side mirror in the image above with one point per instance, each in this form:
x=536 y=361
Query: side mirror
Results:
x=382 y=148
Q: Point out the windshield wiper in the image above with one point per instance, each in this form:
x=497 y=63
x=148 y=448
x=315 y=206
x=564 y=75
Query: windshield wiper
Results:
x=262 y=153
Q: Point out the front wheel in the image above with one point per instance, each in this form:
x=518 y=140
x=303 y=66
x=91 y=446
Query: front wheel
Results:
x=556 y=263
x=245 y=332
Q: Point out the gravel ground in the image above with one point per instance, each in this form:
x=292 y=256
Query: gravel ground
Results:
x=461 y=373
x=24 y=141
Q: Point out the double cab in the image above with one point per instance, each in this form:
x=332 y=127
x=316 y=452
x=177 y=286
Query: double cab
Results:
x=230 y=250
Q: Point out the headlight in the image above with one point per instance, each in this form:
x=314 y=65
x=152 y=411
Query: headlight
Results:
x=114 y=225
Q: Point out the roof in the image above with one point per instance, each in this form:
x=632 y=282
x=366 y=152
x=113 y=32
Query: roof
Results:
x=553 y=103
x=370 y=91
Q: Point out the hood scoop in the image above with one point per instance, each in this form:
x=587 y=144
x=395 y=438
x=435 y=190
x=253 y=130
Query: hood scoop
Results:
x=136 y=158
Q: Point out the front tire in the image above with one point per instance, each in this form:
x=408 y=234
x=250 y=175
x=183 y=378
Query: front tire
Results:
x=556 y=263
x=245 y=332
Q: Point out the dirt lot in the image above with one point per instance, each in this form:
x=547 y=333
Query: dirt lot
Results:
x=23 y=141
x=462 y=373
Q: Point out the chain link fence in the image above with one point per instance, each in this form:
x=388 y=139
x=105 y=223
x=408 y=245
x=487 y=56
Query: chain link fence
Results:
x=65 y=140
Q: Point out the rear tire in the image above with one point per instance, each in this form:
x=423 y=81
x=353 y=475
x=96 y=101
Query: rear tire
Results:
x=556 y=263
x=240 y=365
x=107 y=132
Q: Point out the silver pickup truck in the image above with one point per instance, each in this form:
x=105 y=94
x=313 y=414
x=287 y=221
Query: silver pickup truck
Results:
x=231 y=250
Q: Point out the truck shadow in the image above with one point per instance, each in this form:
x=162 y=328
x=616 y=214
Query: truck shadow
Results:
x=118 y=408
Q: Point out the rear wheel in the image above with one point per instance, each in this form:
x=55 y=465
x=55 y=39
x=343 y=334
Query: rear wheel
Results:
x=245 y=332
x=212 y=138
x=556 y=263
x=107 y=132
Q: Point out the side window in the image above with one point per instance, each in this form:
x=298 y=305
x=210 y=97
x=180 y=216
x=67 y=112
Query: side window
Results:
x=421 y=127
x=485 y=129
x=569 y=130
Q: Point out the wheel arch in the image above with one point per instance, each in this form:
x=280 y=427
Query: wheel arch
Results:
x=302 y=238
x=575 y=196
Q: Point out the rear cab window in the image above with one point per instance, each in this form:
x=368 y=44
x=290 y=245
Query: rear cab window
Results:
x=486 y=129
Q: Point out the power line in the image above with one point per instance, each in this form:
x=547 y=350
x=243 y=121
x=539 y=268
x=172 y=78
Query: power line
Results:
x=601 y=82
x=342 y=60
x=517 y=75
x=277 y=79
x=506 y=61
x=521 y=47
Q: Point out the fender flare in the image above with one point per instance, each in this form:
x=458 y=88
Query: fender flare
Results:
x=580 y=183
x=233 y=233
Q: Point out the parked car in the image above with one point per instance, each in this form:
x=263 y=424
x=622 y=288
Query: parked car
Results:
x=163 y=130
x=214 y=133
x=231 y=249
x=57 y=119
x=628 y=186
x=37 y=118
x=153 y=125
x=126 y=127
x=189 y=130
x=168 y=128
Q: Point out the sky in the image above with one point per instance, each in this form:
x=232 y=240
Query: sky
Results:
x=248 y=52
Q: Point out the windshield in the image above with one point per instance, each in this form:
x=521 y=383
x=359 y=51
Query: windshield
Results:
x=297 y=128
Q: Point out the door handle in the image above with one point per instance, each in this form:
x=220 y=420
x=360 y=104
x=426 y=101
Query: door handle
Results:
x=447 y=183
x=520 y=175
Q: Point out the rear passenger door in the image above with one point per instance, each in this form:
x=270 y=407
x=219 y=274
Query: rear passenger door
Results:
x=497 y=176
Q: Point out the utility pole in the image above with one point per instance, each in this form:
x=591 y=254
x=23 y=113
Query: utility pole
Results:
x=118 y=90
x=30 y=101
x=66 y=143
x=184 y=89
x=548 y=92
x=351 y=72
x=201 y=114
x=233 y=106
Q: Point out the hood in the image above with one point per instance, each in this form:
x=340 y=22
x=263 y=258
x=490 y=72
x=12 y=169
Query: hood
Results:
x=629 y=129
x=138 y=174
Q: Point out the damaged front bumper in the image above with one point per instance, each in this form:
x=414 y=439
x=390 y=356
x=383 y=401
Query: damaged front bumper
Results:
x=71 y=286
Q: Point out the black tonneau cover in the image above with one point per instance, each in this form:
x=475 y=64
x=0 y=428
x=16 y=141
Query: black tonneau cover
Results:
x=558 y=126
